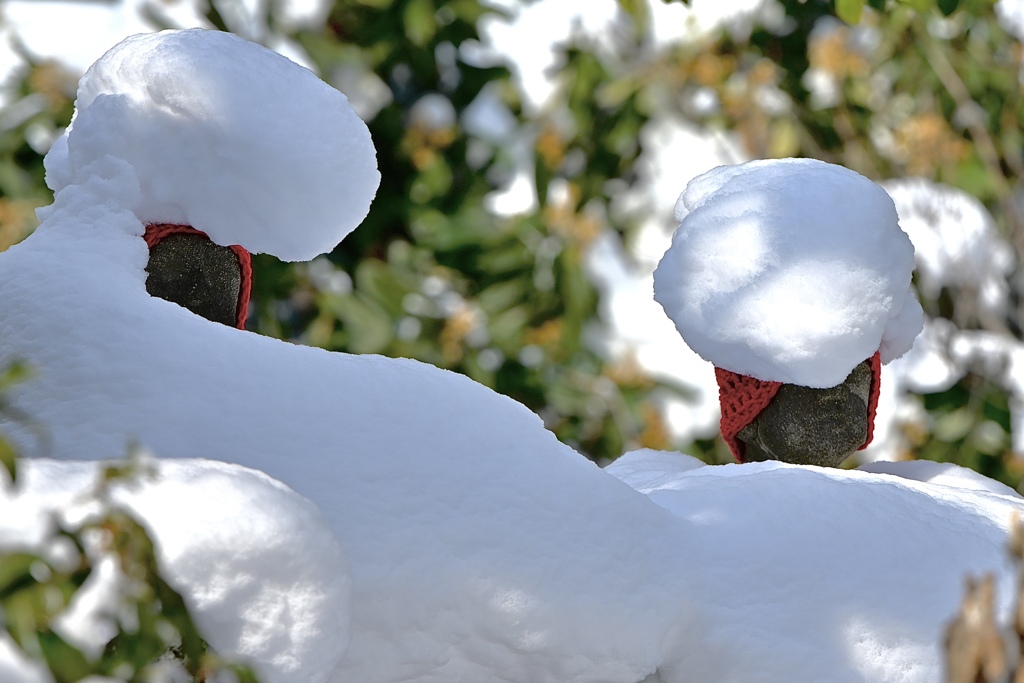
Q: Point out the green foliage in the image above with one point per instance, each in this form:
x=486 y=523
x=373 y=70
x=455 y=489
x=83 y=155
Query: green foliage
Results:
x=32 y=594
x=9 y=376
x=153 y=627
x=850 y=11
x=41 y=104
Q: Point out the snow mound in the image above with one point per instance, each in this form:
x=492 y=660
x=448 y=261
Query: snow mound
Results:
x=265 y=578
x=790 y=270
x=646 y=468
x=287 y=166
x=789 y=548
x=940 y=473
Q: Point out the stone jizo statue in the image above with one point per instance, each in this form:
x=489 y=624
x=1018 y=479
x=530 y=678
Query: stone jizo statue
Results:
x=186 y=267
x=795 y=424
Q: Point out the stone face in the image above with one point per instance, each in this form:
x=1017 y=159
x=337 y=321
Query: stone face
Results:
x=193 y=272
x=807 y=426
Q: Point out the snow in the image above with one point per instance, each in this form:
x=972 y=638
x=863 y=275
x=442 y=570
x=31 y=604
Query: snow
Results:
x=479 y=547
x=789 y=270
x=478 y=543
x=674 y=23
x=955 y=239
x=16 y=667
x=530 y=39
x=530 y=36
x=956 y=245
x=259 y=568
x=76 y=34
x=943 y=473
x=799 y=577
x=1011 y=16
x=166 y=104
x=433 y=112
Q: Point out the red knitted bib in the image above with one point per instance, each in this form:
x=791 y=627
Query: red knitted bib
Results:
x=743 y=398
x=157 y=231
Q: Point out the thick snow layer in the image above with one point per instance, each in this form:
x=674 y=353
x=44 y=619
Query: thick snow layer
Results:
x=789 y=270
x=172 y=104
x=478 y=543
x=481 y=548
x=944 y=473
x=775 y=570
x=262 y=573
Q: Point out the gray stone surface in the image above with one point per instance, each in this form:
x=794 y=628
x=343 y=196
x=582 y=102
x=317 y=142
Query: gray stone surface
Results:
x=193 y=272
x=808 y=426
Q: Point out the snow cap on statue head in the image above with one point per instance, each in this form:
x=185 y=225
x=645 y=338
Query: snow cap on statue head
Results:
x=288 y=168
x=789 y=270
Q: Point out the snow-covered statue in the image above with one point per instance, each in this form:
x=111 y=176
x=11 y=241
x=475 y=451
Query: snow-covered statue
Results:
x=442 y=533
x=792 y=277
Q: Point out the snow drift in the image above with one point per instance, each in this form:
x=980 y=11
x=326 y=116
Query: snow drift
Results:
x=481 y=548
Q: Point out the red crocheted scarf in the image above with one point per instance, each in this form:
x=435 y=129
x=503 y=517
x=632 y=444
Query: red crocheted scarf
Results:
x=155 y=232
x=743 y=398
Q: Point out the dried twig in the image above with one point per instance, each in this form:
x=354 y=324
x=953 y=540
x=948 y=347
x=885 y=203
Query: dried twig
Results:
x=976 y=650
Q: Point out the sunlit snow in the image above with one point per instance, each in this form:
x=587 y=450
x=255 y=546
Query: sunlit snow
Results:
x=480 y=548
x=789 y=270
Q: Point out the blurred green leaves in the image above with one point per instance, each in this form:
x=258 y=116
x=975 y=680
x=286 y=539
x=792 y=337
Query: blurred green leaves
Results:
x=152 y=627
x=850 y=10
x=10 y=376
x=33 y=593
x=8 y=459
